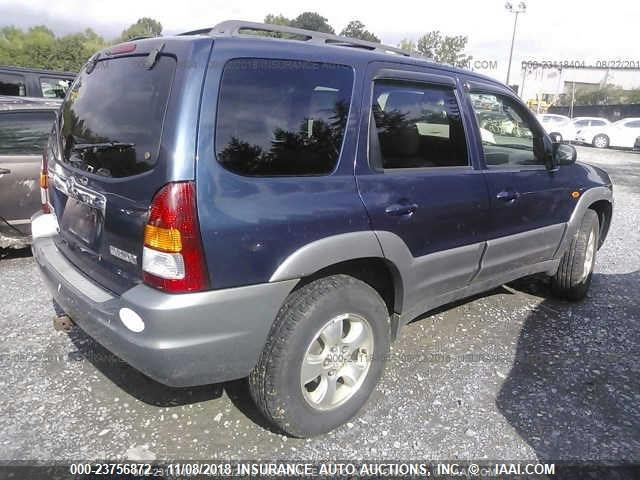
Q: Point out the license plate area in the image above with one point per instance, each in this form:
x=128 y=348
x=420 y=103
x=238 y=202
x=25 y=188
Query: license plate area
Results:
x=83 y=221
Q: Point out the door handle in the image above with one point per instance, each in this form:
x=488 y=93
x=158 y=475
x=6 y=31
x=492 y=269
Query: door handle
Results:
x=400 y=209
x=508 y=196
x=4 y=171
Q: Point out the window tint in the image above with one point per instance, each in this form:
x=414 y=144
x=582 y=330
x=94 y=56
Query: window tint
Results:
x=11 y=84
x=112 y=118
x=508 y=136
x=416 y=126
x=282 y=117
x=597 y=123
x=54 y=87
x=24 y=133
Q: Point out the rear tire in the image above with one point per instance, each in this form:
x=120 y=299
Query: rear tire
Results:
x=573 y=278
x=324 y=356
x=600 y=141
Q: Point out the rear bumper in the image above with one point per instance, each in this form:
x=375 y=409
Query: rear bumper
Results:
x=188 y=339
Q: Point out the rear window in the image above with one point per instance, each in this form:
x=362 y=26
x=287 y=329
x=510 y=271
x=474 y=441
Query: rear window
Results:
x=54 y=87
x=281 y=118
x=24 y=133
x=13 y=85
x=112 y=118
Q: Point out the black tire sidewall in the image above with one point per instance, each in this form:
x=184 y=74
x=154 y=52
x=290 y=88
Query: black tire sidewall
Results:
x=354 y=296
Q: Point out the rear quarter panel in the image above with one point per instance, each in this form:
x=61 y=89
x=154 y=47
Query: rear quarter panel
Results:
x=249 y=225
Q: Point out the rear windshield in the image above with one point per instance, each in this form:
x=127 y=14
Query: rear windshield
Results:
x=112 y=118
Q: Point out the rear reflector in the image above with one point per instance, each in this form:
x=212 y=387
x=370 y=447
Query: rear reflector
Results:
x=172 y=257
x=44 y=194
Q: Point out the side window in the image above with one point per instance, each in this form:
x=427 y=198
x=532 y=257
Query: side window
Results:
x=582 y=123
x=278 y=118
x=12 y=84
x=24 y=133
x=54 y=87
x=416 y=126
x=509 y=138
x=634 y=124
x=597 y=123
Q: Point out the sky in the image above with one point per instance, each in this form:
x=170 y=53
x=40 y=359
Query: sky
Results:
x=550 y=30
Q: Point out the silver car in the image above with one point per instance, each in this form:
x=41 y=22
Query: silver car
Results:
x=25 y=124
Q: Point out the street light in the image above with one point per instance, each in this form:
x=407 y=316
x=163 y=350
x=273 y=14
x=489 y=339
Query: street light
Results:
x=520 y=8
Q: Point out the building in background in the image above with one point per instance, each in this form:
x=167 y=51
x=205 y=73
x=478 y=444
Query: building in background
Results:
x=544 y=85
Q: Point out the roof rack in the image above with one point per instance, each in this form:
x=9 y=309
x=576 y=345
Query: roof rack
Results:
x=234 y=28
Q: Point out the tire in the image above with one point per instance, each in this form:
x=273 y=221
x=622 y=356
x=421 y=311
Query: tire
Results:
x=600 y=141
x=333 y=310
x=573 y=278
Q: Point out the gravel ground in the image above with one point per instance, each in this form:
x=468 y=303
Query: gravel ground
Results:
x=513 y=374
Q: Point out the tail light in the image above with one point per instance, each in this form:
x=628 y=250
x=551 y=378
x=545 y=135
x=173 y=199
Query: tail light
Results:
x=44 y=181
x=172 y=256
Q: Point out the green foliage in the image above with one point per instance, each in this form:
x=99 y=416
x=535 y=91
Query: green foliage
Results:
x=38 y=47
x=312 y=21
x=356 y=29
x=144 y=27
x=441 y=48
x=408 y=45
x=277 y=20
x=444 y=49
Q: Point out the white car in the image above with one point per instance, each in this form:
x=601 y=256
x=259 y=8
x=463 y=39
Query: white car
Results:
x=622 y=133
x=564 y=128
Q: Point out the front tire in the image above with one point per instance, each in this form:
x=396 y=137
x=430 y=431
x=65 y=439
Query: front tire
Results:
x=600 y=141
x=573 y=278
x=324 y=356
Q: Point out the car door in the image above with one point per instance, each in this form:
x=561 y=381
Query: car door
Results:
x=23 y=135
x=624 y=134
x=417 y=178
x=530 y=203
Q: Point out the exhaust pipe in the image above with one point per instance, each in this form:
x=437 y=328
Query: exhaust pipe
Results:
x=62 y=323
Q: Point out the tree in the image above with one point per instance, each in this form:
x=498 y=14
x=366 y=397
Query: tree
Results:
x=444 y=49
x=38 y=47
x=277 y=20
x=144 y=27
x=312 y=21
x=356 y=29
x=408 y=45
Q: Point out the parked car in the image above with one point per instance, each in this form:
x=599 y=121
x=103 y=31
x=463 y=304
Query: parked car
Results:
x=32 y=82
x=562 y=128
x=341 y=189
x=25 y=125
x=622 y=133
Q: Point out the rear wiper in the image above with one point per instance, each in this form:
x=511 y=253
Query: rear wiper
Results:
x=102 y=146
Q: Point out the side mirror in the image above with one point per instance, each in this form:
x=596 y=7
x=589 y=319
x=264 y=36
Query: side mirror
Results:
x=564 y=154
x=556 y=137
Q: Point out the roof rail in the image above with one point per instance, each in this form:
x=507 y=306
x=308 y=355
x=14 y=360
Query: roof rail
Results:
x=233 y=28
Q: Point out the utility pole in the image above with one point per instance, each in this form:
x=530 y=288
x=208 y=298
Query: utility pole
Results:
x=520 y=8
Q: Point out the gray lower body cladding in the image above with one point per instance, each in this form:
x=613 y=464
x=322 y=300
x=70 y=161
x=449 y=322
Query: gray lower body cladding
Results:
x=188 y=339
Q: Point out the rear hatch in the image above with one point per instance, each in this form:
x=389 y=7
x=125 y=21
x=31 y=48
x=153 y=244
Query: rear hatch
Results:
x=106 y=166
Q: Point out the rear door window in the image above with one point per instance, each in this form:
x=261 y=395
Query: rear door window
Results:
x=24 y=133
x=112 y=118
x=282 y=118
x=13 y=85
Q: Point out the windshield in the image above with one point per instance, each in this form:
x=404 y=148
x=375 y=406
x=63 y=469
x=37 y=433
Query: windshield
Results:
x=112 y=118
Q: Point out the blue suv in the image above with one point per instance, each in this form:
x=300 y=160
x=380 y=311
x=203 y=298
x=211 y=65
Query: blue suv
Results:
x=229 y=203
